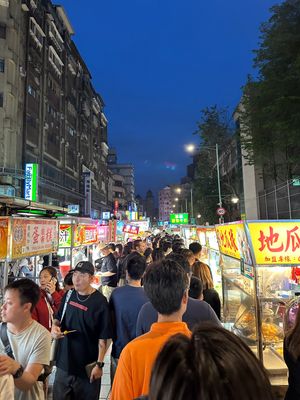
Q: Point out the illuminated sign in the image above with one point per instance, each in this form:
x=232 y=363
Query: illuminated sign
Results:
x=31 y=182
x=275 y=242
x=131 y=229
x=179 y=219
x=33 y=237
x=73 y=208
x=233 y=241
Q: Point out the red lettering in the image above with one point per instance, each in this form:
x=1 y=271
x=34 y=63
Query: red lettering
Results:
x=270 y=241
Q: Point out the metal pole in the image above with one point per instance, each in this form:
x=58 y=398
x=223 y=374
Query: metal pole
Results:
x=289 y=198
x=186 y=207
x=219 y=181
x=192 y=206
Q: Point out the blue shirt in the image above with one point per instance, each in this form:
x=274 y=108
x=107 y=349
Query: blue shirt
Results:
x=125 y=304
x=196 y=311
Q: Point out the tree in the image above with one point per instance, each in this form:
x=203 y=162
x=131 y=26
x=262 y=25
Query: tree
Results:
x=270 y=112
x=213 y=128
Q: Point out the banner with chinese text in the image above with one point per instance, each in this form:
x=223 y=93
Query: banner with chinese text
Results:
x=275 y=242
x=85 y=235
x=233 y=241
x=65 y=235
x=33 y=237
x=3 y=237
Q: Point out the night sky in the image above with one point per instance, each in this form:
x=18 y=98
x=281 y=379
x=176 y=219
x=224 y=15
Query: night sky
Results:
x=157 y=63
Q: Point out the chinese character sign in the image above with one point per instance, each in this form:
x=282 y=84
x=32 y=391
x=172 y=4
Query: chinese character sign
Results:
x=3 y=237
x=233 y=241
x=33 y=237
x=65 y=235
x=179 y=219
x=85 y=235
x=275 y=242
x=131 y=229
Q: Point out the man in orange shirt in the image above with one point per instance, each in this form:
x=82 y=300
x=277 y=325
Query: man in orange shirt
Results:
x=166 y=285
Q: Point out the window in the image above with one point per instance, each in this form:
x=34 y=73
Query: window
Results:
x=2 y=64
x=31 y=91
x=2 y=31
x=1 y=99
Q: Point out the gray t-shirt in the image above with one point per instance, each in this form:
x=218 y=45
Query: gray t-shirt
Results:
x=31 y=346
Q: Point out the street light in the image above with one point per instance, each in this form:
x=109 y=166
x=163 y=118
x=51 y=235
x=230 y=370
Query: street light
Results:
x=235 y=200
x=190 y=148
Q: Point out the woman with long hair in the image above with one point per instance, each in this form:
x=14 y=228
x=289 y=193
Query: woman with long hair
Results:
x=50 y=298
x=214 y=364
x=291 y=352
x=210 y=295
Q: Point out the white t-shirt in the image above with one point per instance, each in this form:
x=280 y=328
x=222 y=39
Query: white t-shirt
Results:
x=31 y=346
x=7 y=387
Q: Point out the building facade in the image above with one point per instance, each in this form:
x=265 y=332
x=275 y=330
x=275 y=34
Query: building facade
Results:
x=50 y=112
x=165 y=204
x=127 y=171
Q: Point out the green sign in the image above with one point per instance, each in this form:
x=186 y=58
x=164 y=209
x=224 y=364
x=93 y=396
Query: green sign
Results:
x=296 y=181
x=31 y=182
x=179 y=219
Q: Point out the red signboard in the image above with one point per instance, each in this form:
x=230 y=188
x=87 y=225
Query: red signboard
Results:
x=131 y=229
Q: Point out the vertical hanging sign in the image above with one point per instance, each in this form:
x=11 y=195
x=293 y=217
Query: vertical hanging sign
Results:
x=88 y=192
x=31 y=182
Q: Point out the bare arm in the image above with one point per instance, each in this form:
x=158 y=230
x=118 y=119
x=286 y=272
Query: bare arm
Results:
x=103 y=347
x=29 y=376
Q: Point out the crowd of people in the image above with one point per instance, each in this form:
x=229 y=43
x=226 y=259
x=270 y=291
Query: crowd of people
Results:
x=157 y=306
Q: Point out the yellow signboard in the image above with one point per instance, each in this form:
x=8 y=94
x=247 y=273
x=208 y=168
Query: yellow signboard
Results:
x=3 y=237
x=233 y=241
x=275 y=242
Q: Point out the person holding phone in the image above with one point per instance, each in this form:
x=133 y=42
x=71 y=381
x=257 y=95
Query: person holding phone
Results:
x=50 y=297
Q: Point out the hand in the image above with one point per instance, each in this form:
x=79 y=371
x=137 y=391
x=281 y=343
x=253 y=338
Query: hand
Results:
x=8 y=365
x=50 y=287
x=56 y=332
x=96 y=374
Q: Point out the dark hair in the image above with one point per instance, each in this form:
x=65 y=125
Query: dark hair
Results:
x=186 y=253
x=111 y=246
x=53 y=272
x=165 y=283
x=68 y=279
x=166 y=246
x=196 y=287
x=126 y=249
x=148 y=252
x=182 y=261
x=119 y=247
x=195 y=247
x=293 y=338
x=28 y=290
x=215 y=364
x=136 y=243
x=136 y=267
x=158 y=254
x=177 y=247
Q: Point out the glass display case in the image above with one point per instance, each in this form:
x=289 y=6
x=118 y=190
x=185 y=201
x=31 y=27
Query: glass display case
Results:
x=260 y=276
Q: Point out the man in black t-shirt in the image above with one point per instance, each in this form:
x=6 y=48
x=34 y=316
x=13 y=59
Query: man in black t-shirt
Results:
x=84 y=331
x=108 y=272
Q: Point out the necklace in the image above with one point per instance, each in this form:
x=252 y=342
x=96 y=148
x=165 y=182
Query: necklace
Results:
x=82 y=301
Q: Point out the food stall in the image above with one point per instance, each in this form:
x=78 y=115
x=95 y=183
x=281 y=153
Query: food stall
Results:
x=76 y=238
x=259 y=262
x=25 y=238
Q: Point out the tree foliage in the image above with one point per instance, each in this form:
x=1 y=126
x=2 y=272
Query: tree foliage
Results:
x=270 y=111
x=213 y=128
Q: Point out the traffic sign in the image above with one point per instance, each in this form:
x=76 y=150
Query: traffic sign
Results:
x=221 y=211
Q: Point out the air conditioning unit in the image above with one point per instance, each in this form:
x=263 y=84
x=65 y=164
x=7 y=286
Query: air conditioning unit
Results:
x=22 y=71
x=62 y=140
x=46 y=125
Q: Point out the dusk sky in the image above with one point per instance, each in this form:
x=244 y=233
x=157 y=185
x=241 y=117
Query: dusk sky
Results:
x=157 y=63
